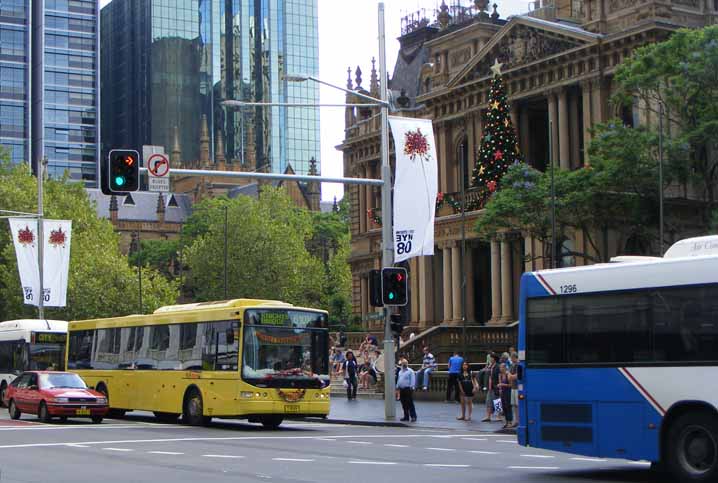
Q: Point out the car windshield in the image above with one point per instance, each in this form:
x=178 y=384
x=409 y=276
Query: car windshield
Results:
x=56 y=381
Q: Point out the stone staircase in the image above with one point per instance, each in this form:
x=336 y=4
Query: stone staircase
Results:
x=337 y=389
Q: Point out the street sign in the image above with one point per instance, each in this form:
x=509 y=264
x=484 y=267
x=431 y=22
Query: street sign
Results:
x=158 y=169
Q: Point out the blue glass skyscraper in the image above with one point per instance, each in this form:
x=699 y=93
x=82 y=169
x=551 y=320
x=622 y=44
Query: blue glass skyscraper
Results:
x=169 y=64
x=48 y=84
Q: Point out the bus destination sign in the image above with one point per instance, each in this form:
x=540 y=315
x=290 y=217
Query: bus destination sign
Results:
x=48 y=338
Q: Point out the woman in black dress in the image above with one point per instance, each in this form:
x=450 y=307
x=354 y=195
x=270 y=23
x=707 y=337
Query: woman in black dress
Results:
x=467 y=386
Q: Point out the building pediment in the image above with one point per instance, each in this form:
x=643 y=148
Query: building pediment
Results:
x=523 y=40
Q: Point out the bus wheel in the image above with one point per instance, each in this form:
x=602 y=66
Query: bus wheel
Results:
x=193 y=409
x=43 y=414
x=166 y=417
x=13 y=410
x=271 y=422
x=3 y=388
x=693 y=448
x=96 y=419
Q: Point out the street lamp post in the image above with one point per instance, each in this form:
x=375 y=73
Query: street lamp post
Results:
x=660 y=176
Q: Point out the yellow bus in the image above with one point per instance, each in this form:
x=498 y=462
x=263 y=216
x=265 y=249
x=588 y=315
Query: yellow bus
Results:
x=260 y=360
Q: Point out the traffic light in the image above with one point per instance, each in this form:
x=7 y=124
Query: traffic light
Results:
x=396 y=324
x=123 y=171
x=375 y=288
x=394 y=286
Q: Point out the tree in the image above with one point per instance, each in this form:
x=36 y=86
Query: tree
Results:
x=101 y=282
x=161 y=255
x=267 y=257
x=680 y=75
x=499 y=148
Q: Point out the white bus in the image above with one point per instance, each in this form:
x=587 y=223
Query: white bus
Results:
x=30 y=345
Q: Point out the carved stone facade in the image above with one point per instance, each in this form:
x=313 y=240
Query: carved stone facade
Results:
x=559 y=63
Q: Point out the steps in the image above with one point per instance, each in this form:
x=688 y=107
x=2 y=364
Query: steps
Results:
x=337 y=390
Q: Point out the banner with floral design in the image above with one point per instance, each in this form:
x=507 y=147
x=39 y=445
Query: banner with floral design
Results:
x=415 y=187
x=56 y=259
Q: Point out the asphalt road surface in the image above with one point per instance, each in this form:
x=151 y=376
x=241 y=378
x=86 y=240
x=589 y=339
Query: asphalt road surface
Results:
x=138 y=449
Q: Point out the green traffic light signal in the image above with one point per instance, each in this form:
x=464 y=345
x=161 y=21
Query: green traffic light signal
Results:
x=120 y=180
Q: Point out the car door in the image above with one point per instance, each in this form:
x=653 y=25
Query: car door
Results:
x=33 y=394
x=18 y=394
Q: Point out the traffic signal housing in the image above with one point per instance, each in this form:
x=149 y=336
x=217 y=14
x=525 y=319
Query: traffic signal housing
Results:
x=394 y=286
x=396 y=325
x=123 y=171
x=375 y=288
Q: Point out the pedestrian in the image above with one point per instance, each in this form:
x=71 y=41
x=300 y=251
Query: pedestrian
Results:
x=338 y=361
x=364 y=374
x=467 y=386
x=351 y=370
x=504 y=386
x=492 y=378
x=514 y=376
x=428 y=365
x=455 y=363
x=406 y=383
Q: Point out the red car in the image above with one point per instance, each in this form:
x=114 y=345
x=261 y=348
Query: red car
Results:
x=50 y=393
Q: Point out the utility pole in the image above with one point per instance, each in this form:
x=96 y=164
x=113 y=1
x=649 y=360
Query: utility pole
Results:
x=387 y=258
x=225 y=252
x=554 y=252
x=41 y=236
x=660 y=176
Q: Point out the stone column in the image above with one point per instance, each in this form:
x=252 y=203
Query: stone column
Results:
x=524 y=133
x=368 y=197
x=364 y=296
x=456 y=275
x=363 y=217
x=469 y=270
x=515 y=118
x=448 y=311
x=507 y=313
x=426 y=292
x=528 y=254
x=495 y=282
x=563 y=131
x=575 y=134
x=597 y=101
x=553 y=124
x=441 y=149
x=587 y=119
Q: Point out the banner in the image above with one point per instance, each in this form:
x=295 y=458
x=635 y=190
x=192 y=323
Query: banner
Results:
x=415 y=187
x=56 y=259
x=24 y=236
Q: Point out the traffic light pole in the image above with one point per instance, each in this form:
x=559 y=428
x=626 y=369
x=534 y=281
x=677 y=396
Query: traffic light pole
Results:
x=387 y=258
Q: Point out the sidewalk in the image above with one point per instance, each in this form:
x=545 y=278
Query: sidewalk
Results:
x=429 y=415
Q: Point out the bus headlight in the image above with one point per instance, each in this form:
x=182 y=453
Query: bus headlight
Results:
x=246 y=394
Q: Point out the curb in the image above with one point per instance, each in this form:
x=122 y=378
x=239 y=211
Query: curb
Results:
x=354 y=422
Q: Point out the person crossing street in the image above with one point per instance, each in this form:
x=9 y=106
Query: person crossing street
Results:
x=406 y=383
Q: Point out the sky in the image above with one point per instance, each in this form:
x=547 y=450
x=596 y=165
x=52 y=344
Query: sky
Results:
x=348 y=36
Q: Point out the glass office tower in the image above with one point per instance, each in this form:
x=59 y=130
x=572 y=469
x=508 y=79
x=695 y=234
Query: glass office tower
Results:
x=169 y=64
x=49 y=85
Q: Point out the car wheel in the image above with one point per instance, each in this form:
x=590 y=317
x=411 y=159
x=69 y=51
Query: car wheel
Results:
x=193 y=410
x=63 y=419
x=3 y=388
x=43 y=414
x=271 y=422
x=13 y=410
x=692 y=454
x=96 y=419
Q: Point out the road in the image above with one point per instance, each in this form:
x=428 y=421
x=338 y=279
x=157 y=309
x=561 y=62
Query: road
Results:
x=137 y=449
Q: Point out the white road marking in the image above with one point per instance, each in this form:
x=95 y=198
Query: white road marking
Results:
x=537 y=456
x=165 y=452
x=441 y=449
x=397 y=445
x=505 y=441
x=385 y=463
x=533 y=467
x=43 y=427
x=595 y=460
x=326 y=439
x=441 y=465
x=300 y=460
x=359 y=442
x=229 y=456
x=642 y=463
x=484 y=452
x=220 y=438
x=118 y=449
x=474 y=439
x=77 y=445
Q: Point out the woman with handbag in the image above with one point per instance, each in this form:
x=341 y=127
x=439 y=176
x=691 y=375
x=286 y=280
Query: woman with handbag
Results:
x=467 y=387
x=492 y=390
x=505 y=394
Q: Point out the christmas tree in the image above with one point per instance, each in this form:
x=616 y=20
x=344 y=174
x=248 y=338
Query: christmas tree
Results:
x=499 y=148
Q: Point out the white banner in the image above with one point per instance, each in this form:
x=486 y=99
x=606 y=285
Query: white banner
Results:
x=56 y=259
x=24 y=236
x=415 y=187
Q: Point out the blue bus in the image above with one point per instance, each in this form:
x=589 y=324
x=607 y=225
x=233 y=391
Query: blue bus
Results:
x=620 y=360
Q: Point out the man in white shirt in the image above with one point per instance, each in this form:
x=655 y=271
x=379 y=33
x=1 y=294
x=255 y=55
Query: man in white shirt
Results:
x=406 y=383
x=427 y=367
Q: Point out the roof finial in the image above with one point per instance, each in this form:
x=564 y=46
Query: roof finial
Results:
x=495 y=15
x=313 y=167
x=203 y=141
x=349 y=78
x=219 y=147
x=444 y=16
x=358 y=77
x=374 y=82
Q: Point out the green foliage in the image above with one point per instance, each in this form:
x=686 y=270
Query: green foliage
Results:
x=101 y=282
x=161 y=255
x=680 y=74
x=499 y=148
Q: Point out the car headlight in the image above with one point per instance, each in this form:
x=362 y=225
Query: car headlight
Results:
x=61 y=400
x=101 y=400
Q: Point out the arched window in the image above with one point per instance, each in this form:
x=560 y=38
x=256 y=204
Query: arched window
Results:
x=464 y=161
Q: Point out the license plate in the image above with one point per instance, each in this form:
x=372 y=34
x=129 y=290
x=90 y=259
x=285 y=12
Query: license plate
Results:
x=82 y=412
x=291 y=408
